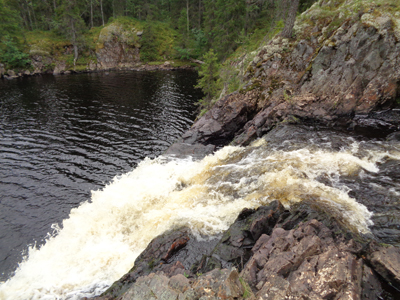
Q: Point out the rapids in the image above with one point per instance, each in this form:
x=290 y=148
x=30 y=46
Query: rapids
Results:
x=351 y=178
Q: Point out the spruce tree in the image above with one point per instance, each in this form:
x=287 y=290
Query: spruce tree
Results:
x=209 y=79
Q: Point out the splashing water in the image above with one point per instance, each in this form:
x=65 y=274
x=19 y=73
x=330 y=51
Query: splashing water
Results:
x=101 y=239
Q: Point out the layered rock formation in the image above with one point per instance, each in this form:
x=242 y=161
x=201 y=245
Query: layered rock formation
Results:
x=268 y=253
x=118 y=47
x=341 y=67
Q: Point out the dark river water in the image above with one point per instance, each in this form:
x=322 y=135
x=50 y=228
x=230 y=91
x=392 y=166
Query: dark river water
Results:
x=63 y=136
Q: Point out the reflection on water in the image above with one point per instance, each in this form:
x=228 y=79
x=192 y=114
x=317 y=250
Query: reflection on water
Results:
x=63 y=136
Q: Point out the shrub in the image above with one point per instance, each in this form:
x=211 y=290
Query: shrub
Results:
x=12 y=56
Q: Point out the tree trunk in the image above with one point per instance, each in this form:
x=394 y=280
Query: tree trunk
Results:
x=101 y=8
x=113 y=8
x=290 y=19
x=199 y=14
x=246 y=20
x=187 y=14
x=74 y=42
x=33 y=13
x=23 y=15
x=29 y=15
x=91 y=13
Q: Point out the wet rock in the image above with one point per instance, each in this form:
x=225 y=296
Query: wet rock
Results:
x=234 y=248
x=386 y=262
x=219 y=125
x=394 y=136
x=196 y=151
x=376 y=124
x=171 y=253
x=281 y=254
x=371 y=287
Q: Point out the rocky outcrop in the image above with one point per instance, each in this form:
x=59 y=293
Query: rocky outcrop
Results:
x=268 y=253
x=338 y=71
x=118 y=46
x=217 y=284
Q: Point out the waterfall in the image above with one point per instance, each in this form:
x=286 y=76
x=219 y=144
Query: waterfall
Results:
x=100 y=240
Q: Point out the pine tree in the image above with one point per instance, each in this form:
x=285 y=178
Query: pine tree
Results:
x=290 y=19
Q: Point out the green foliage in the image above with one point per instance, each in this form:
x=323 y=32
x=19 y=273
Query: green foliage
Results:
x=158 y=41
x=149 y=44
x=305 y=4
x=230 y=77
x=11 y=49
x=184 y=33
x=200 y=42
x=247 y=290
x=12 y=56
x=224 y=20
x=209 y=80
x=183 y=54
x=9 y=21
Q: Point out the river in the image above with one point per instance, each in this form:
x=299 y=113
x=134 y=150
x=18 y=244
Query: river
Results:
x=63 y=136
x=95 y=237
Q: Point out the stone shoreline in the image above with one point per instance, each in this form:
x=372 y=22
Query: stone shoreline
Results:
x=166 y=66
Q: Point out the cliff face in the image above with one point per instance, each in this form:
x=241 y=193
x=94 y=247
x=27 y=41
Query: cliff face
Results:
x=118 y=47
x=341 y=66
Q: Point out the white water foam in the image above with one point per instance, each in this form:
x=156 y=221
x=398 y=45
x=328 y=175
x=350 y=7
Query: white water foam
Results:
x=100 y=240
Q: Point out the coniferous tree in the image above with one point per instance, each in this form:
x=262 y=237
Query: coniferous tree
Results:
x=209 y=79
x=290 y=19
x=9 y=20
x=10 y=34
x=70 y=23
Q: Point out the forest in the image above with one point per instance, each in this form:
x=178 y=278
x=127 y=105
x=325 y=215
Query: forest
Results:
x=214 y=31
x=200 y=25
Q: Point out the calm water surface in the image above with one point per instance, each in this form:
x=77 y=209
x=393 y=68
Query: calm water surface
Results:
x=63 y=136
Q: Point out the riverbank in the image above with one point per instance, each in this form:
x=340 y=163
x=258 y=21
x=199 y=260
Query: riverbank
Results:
x=116 y=46
x=166 y=66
